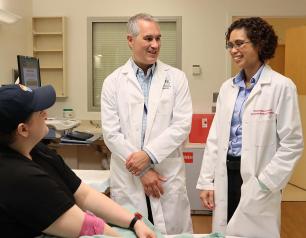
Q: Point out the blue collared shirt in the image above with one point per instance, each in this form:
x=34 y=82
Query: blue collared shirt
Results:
x=235 y=141
x=145 y=83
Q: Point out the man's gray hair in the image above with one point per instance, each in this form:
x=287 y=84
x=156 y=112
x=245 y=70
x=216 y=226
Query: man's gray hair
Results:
x=132 y=26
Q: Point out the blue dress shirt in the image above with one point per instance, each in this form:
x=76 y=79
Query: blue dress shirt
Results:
x=235 y=141
x=145 y=83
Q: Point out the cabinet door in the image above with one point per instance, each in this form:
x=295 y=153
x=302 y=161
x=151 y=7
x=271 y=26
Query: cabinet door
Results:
x=295 y=68
x=295 y=57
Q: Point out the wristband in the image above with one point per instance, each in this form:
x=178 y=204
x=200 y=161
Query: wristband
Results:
x=137 y=216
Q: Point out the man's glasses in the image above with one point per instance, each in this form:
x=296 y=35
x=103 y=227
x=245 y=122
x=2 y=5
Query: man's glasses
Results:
x=236 y=45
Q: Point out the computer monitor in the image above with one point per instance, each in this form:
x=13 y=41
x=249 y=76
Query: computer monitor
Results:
x=29 y=71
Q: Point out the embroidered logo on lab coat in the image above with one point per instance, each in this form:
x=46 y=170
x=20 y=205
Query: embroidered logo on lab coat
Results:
x=167 y=84
x=260 y=113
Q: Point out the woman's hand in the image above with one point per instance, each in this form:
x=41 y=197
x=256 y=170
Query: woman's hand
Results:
x=207 y=198
x=143 y=231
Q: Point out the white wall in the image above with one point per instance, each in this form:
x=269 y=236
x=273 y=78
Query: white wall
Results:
x=14 y=38
x=204 y=25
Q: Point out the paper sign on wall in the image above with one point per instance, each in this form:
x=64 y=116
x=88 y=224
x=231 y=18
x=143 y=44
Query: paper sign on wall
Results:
x=188 y=157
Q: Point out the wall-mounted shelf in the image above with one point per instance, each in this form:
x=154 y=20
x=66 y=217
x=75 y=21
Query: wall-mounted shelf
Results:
x=49 y=46
x=47 y=33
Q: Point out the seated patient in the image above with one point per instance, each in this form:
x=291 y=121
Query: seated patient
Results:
x=39 y=192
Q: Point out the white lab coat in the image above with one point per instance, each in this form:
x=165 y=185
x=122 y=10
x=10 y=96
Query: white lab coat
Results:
x=272 y=142
x=168 y=125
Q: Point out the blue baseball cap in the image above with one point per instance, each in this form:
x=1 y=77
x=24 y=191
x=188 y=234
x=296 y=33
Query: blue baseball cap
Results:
x=18 y=102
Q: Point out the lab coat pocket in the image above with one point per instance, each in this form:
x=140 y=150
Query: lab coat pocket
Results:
x=165 y=103
x=256 y=201
x=163 y=116
x=164 y=107
x=265 y=130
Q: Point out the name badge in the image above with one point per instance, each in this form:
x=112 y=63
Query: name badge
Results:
x=167 y=84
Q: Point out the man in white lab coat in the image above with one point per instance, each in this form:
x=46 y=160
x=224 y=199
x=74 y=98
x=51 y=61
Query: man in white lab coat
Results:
x=146 y=116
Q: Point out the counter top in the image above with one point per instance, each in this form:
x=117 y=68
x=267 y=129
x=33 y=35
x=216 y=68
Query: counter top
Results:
x=90 y=126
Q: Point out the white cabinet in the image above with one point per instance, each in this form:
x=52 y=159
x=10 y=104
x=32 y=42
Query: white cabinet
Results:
x=193 y=156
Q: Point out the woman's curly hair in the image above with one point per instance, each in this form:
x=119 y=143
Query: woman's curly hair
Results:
x=260 y=33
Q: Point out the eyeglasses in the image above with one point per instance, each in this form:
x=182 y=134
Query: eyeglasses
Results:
x=236 y=45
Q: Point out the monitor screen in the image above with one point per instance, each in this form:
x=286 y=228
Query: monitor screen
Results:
x=29 y=71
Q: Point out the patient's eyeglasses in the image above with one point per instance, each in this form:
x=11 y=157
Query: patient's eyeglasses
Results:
x=236 y=45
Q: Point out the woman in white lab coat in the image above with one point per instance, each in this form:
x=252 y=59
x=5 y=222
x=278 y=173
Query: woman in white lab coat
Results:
x=255 y=139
